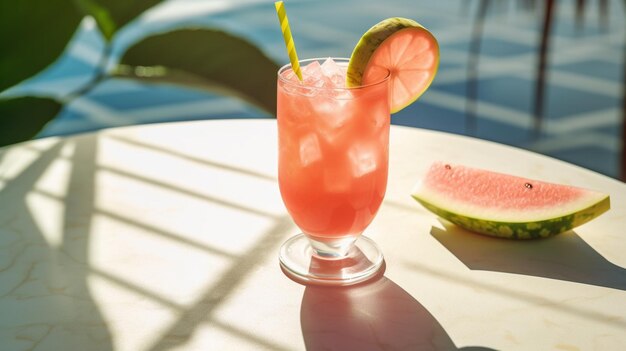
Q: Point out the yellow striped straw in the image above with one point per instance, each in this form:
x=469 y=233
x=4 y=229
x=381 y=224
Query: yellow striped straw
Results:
x=291 y=47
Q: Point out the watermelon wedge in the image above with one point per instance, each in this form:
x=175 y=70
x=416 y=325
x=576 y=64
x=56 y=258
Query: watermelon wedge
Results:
x=506 y=206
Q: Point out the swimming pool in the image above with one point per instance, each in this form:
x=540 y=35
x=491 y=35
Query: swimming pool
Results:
x=487 y=85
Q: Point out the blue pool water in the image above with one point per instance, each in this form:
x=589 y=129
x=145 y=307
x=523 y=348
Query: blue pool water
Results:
x=582 y=117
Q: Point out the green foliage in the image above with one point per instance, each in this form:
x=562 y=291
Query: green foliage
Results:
x=206 y=59
x=34 y=33
x=111 y=15
x=22 y=118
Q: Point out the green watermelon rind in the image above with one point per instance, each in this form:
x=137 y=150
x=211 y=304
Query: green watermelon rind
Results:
x=521 y=230
x=369 y=43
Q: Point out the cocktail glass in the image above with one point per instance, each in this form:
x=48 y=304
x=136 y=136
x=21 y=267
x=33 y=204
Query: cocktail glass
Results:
x=332 y=172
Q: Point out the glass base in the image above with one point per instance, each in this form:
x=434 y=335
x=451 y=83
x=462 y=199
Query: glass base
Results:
x=302 y=263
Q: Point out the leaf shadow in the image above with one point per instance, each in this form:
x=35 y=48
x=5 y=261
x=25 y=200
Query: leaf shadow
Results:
x=47 y=300
x=564 y=257
x=374 y=315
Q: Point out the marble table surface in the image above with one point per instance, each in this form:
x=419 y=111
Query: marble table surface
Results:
x=165 y=237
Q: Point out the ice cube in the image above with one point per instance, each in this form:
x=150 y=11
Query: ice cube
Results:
x=294 y=87
x=312 y=75
x=291 y=75
x=338 y=81
x=342 y=95
x=330 y=67
x=310 y=151
x=363 y=158
x=337 y=180
x=333 y=117
x=335 y=75
x=379 y=114
x=333 y=113
x=312 y=69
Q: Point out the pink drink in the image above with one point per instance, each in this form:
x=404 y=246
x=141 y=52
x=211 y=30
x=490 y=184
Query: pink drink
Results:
x=333 y=150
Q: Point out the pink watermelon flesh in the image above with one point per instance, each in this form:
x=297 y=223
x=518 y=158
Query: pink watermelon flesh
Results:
x=412 y=57
x=496 y=190
x=505 y=205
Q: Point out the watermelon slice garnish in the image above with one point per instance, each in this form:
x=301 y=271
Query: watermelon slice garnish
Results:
x=504 y=205
x=402 y=47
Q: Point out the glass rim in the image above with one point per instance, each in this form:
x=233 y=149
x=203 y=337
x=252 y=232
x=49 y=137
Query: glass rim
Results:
x=321 y=59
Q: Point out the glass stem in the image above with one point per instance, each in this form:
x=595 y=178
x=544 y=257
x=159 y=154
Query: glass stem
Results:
x=331 y=248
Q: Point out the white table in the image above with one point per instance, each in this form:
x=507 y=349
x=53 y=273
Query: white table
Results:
x=161 y=237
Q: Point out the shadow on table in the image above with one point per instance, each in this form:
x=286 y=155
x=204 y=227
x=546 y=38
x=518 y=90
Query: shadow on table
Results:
x=45 y=300
x=375 y=315
x=563 y=257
